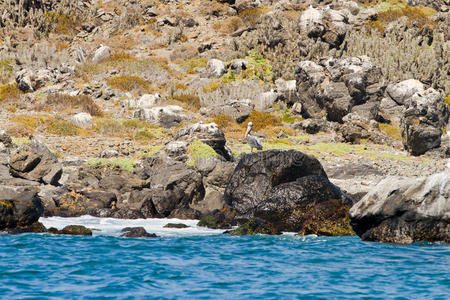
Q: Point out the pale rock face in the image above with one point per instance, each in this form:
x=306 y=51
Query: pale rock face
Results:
x=167 y=116
x=405 y=210
x=402 y=91
x=83 y=120
x=101 y=54
x=265 y=100
x=215 y=68
x=145 y=101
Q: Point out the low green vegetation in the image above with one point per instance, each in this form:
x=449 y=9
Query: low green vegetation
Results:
x=127 y=164
x=6 y=71
x=62 y=127
x=199 y=150
x=258 y=68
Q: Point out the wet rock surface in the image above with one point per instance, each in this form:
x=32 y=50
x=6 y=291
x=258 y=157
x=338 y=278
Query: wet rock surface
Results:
x=133 y=232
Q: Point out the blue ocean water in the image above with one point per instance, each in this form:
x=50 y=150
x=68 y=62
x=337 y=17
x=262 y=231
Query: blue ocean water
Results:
x=42 y=266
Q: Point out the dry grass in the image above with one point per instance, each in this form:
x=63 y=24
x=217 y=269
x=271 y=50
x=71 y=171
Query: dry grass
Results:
x=9 y=93
x=130 y=83
x=6 y=71
x=262 y=120
x=192 y=101
x=62 y=102
x=19 y=130
x=391 y=130
x=253 y=16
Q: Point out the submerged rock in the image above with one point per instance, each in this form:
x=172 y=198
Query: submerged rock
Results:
x=71 y=230
x=136 y=232
x=176 y=225
x=254 y=226
x=404 y=211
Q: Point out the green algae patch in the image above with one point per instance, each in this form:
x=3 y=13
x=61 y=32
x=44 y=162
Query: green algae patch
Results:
x=330 y=218
x=209 y=221
x=254 y=226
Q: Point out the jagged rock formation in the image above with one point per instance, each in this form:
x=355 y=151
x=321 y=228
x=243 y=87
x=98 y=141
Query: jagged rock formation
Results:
x=401 y=210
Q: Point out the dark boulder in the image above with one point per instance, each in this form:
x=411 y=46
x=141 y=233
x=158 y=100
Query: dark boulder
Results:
x=218 y=220
x=19 y=207
x=254 y=226
x=36 y=227
x=404 y=211
x=310 y=205
x=137 y=232
x=71 y=230
x=257 y=173
x=176 y=225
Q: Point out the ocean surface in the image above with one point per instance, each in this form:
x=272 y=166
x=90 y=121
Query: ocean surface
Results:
x=198 y=263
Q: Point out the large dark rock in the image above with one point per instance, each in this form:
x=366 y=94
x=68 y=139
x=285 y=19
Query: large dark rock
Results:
x=172 y=184
x=404 y=211
x=424 y=116
x=333 y=87
x=35 y=162
x=19 y=207
x=257 y=173
x=310 y=205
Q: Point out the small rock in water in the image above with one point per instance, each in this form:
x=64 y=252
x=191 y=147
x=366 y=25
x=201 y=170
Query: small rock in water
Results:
x=176 y=225
x=136 y=232
x=71 y=230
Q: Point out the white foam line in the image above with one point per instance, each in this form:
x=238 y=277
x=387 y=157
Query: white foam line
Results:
x=113 y=227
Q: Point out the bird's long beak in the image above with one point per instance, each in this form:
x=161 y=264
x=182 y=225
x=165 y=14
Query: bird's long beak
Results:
x=248 y=131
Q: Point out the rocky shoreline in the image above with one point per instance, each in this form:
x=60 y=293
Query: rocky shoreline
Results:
x=138 y=111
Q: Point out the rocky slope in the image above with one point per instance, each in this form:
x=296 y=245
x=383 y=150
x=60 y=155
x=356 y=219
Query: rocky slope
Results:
x=136 y=109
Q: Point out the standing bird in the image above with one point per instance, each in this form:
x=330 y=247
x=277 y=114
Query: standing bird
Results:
x=252 y=140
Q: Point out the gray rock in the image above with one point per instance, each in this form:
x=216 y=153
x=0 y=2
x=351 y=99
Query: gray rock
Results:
x=209 y=134
x=404 y=211
x=103 y=53
x=216 y=174
x=83 y=120
x=215 y=68
x=239 y=110
x=35 y=162
x=424 y=116
x=145 y=101
x=402 y=91
x=237 y=66
x=166 y=116
x=334 y=87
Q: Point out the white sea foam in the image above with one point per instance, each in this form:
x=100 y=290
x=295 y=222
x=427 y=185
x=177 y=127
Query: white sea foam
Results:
x=113 y=227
